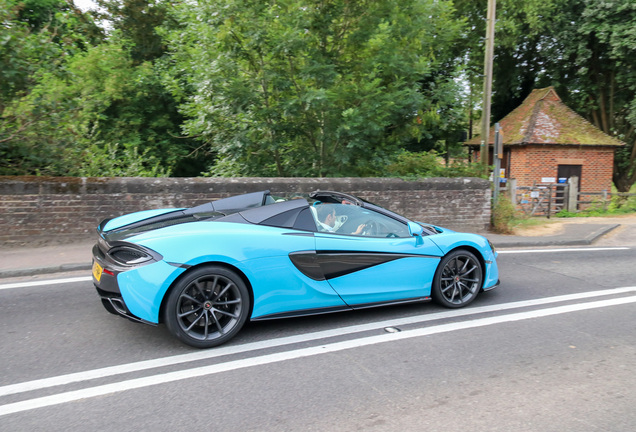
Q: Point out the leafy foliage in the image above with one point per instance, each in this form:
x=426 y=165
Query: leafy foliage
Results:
x=295 y=87
x=430 y=164
x=80 y=102
x=111 y=161
x=38 y=36
x=504 y=215
x=310 y=88
x=584 y=48
x=595 y=65
x=100 y=98
x=138 y=20
x=618 y=204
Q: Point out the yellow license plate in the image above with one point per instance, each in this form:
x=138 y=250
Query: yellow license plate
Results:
x=97 y=271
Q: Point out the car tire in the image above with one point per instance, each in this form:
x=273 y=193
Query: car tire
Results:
x=458 y=279
x=207 y=307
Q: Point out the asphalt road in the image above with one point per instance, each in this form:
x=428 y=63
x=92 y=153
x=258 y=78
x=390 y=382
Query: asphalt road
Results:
x=552 y=349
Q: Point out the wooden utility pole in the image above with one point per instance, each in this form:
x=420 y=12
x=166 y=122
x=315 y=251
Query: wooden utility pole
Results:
x=497 y=154
x=488 y=60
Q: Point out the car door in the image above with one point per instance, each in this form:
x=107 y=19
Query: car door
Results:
x=379 y=266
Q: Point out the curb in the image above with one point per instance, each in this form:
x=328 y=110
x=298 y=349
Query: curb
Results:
x=554 y=241
x=5 y=274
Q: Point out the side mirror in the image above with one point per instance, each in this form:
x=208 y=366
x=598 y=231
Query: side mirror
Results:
x=415 y=229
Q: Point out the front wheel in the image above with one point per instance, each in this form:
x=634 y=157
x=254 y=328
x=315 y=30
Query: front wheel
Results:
x=458 y=279
x=207 y=307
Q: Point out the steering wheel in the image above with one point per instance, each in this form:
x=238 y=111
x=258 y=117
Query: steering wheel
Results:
x=392 y=235
x=370 y=228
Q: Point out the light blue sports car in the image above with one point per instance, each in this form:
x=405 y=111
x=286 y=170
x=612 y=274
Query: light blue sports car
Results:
x=205 y=270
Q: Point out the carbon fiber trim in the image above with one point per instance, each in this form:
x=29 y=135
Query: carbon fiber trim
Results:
x=323 y=265
x=320 y=311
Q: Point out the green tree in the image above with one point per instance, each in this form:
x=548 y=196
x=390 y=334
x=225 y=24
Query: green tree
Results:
x=302 y=87
x=586 y=49
x=36 y=35
x=138 y=20
x=101 y=107
x=594 y=67
x=72 y=106
x=522 y=32
x=37 y=38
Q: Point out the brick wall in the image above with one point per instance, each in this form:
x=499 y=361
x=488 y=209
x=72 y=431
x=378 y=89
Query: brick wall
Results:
x=528 y=164
x=40 y=210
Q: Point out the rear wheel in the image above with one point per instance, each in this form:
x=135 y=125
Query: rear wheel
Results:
x=458 y=279
x=207 y=307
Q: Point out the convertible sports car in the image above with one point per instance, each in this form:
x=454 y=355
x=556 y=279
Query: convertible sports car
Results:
x=205 y=270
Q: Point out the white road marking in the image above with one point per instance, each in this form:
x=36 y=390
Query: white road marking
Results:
x=596 y=249
x=288 y=340
x=45 y=282
x=164 y=378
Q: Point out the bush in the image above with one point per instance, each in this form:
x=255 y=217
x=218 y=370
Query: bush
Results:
x=113 y=160
x=618 y=205
x=412 y=165
x=504 y=216
x=566 y=214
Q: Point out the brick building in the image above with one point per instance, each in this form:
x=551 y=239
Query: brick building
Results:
x=544 y=139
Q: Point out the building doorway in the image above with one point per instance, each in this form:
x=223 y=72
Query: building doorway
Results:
x=564 y=172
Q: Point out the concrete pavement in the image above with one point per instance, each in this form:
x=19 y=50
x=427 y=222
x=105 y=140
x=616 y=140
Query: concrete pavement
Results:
x=29 y=261
x=36 y=260
x=572 y=234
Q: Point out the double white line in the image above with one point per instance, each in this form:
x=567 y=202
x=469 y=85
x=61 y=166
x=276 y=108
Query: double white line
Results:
x=163 y=378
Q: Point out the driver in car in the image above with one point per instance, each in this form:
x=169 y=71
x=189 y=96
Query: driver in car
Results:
x=327 y=219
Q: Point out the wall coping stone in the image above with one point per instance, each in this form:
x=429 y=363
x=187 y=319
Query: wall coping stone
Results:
x=38 y=185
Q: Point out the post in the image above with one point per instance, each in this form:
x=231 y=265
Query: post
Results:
x=573 y=194
x=488 y=60
x=549 y=200
x=512 y=191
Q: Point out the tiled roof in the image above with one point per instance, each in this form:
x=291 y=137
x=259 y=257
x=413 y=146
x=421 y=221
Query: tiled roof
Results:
x=543 y=119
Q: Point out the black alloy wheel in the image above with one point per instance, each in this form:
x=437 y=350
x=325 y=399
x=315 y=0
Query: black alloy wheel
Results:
x=207 y=307
x=458 y=279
